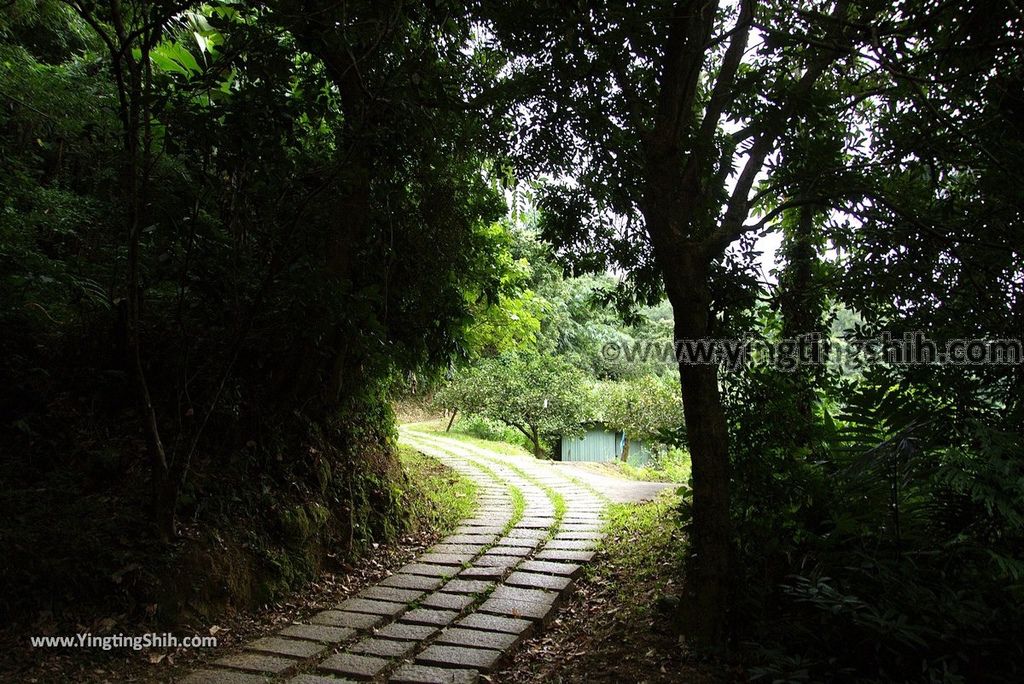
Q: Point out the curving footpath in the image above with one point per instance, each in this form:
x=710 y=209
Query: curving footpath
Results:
x=463 y=605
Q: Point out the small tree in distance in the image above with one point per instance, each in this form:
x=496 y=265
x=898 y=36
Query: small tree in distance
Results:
x=643 y=408
x=541 y=396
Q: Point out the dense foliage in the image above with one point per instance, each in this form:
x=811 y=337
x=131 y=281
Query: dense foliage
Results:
x=646 y=408
x=851 y=522
x=220 y=247
x=231 y=232
x=543 y=397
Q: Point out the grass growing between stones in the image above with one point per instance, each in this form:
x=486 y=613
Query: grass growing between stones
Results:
x=518 y=509
x=559 y=503
x=443 y=497
x=557 y=500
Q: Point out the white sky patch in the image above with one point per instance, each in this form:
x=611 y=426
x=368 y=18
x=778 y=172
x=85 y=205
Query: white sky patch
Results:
x=768 y=260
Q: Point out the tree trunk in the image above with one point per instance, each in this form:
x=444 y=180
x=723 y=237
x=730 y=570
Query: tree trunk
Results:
x=535 y=438
x=451 y=422
x=707 y=579
x=801 y=315
x=625 y=448
x=134 y=85
x=708 y=572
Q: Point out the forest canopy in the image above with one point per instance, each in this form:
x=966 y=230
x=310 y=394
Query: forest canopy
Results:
x=233 y=234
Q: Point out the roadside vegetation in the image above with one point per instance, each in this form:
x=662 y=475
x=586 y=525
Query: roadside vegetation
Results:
x=617 y=626
x=434 y=500
x=233 y=234
x=437 y=497
x=669 y=466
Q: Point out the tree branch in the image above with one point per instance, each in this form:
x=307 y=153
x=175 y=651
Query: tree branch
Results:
x=685 y=48
x=732 y=225
x=721 y=94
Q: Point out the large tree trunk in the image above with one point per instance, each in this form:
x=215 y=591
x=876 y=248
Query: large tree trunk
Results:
x=707 y=581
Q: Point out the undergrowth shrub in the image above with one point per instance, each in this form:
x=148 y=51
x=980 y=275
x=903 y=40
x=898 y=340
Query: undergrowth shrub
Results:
x=886 y=546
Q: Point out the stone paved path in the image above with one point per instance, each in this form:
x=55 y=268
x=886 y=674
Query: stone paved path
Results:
x=462 y=606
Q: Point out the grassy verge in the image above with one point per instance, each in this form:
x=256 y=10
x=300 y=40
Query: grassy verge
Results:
x=644 y=547
x=672 y=467
x=439 y=497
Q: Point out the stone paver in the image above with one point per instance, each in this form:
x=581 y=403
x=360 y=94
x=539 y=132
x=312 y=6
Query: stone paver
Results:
x=447 y=601
x=393 y=594
x=431 y=569
x=568 y=556
x=256 y=662
x=425 y=674
x=209 y=676
x=518 y=551
x=494 y=560
x=478 y=539
x=354 y=666
x=510 y=593
x=496 y=623
x=341 y=618
x=407 y=581
x=372 y=607
x=563 y=569
x=471 y=549
x=466 y=586
x=406 y=632
x=293 y=648
x=321 y=633
x=526 y=542
x=430 y=616
x=572 y=544
x=536 y=580
x=464 y=604
x=482 y=573
x=483 y=659
x=385 y=648
x=523 y=533
x=480 y=529
x=445 y=559
x=540 y=612
x=475 y=638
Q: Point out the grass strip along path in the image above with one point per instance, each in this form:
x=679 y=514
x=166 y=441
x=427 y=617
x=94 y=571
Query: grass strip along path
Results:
x=461 y=607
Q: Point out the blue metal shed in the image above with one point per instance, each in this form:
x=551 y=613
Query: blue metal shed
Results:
x=599 y=444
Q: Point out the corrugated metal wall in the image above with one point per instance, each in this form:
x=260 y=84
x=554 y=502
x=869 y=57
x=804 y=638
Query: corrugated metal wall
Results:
x=639 y=454
x=598 y=445
x=594 y=445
